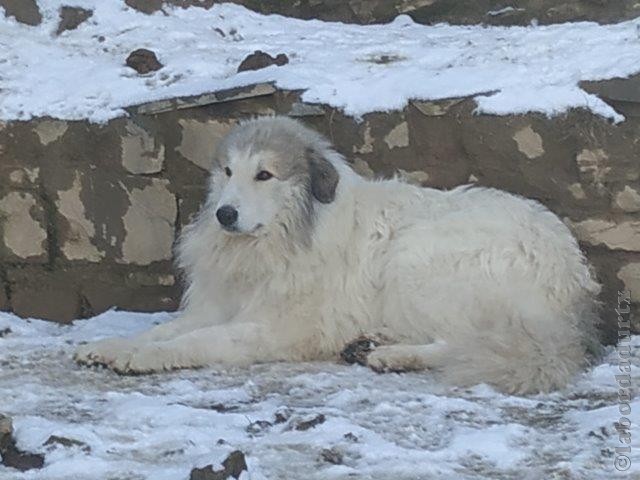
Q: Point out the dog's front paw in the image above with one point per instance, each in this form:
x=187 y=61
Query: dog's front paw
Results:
x=145 y=359
x=104 y=352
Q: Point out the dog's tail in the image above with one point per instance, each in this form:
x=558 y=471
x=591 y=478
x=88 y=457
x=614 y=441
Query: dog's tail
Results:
x=536 y=354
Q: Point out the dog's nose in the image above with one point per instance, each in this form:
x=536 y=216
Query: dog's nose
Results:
x=227 y=215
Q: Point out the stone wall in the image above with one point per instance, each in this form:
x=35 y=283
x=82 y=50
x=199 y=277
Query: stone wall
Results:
x=490 y=12
x=90 y=212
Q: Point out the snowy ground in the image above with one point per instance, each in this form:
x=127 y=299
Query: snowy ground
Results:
x=81 y=73
x=401 y=426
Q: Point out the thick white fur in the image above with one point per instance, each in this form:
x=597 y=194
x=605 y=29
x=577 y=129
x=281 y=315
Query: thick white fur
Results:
x=476 y=283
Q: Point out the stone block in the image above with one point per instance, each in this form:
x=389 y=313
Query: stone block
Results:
x=24 y=236
x=199 y=140
x=436 y=108
x=189 y=204
x=48 y=295
x=138 y=290
x=141 y=153
x=630 y=276
x=628 y=200
x=149 y=224
x=49 y=131
x=621 y=235
x=76 y=241
x=182 y=103
x=24 y=11
x=398 y=136
x=529 y=142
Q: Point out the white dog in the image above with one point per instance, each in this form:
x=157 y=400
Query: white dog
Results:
x=294 y=255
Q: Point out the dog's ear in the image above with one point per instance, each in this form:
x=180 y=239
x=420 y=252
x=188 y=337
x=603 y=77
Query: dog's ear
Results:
x=324 y=177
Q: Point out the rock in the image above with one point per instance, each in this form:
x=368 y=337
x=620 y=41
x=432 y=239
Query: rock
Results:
x=301 y=109
x=628 y=200
x=222 y=408
x=145 y=6
x=398 y=136
x=259 y=426
x=577 y=191
x=437 y=108
x=282 y=415
x=260 y=59
x=193 y=101
x=24 y=176
x=24 y=236
x=24 y=11
x=141 y=152
x=149 y=224
x=630 y=276
x=362 y=168
x=358 y=350
x=72 y=17
x=143 y=61
x=303 y=425
x=12 y=457
x=55 y=290
x=200 y=139
x=233 y=465
x=367 y=141
x=54 y=440
x=417 y=177
x=77 y=238
x=4 y=332
x=332 y=455
x=49 y=131
x=6 y=431
x=593 y=166
x=351 y=437
x=529 y=142
x=623 y=94
x=624 y=235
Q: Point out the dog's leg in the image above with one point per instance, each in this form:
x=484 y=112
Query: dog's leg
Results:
x=402 y=358
x=234 y=344
x=105 y=352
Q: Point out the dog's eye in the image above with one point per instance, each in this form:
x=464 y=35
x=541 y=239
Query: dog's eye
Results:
x=227 y=171
x=263 y=175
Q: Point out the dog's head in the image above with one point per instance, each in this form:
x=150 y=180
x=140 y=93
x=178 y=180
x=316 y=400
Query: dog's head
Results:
x=269 y=175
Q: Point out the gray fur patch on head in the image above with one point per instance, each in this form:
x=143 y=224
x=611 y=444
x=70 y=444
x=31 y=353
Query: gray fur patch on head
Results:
x=324 y=177
x=301 y=152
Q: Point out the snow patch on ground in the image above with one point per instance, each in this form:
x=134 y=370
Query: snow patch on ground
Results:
x=82 y=73
x=401 y=426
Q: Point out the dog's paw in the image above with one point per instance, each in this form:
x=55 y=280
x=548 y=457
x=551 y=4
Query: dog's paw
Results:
x=358 y=350
x=146 y=359
x=104 y=352
x=390 y=359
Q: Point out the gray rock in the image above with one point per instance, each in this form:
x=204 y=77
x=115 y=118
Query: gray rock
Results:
x=259 y=59
x=24 y=11
x=143 y=61
x=303 y=425
x=332 y=455
x=233 y=465
x=55 y=440
x=145 y=6
x=12 y=457
x=72 y=17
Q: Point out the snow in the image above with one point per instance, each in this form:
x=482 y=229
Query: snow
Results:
x=502 y=11
x=407 y=425
x=358 y=69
